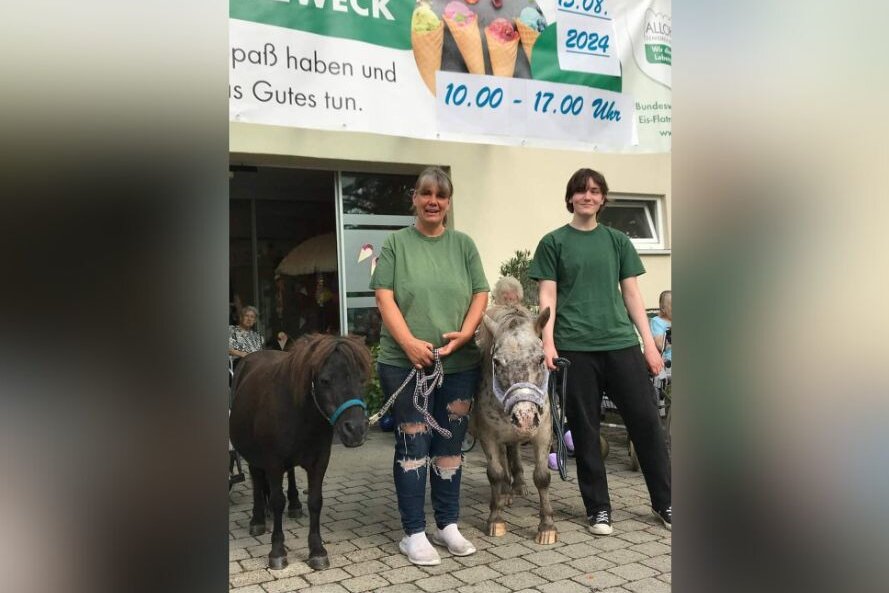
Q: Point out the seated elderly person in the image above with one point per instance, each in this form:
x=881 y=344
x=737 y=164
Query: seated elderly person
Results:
x=243 y=338
x=663 y=322
x=508 y=291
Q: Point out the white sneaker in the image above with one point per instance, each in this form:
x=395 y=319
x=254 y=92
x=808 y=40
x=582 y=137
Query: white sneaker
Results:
x=418 y=550
x=600 y=523
x=451 y=538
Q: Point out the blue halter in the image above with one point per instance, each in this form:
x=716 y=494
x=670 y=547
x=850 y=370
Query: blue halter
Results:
x=342 y=407
x=345 y=406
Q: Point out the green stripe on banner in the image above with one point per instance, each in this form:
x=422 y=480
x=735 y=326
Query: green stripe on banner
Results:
x=545 y=66
x=381 y=22
x=659 y=54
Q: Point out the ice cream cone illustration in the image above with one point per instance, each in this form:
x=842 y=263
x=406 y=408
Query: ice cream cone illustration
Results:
x=528 y=37
x=463 y=25
x=427 y=37
x=530 y=23
x=503 y=46
x=365 y=252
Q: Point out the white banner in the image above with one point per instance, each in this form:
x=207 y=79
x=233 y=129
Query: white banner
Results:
x=521 y=108
x=578 y=74
x=586 y=37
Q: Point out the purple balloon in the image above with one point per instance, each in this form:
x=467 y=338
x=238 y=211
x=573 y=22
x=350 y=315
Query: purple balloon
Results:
x=569 y=441
x=553 y=462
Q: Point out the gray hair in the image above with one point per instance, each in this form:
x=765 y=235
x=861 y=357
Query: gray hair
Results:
x=246 y=309
x=437 y=177
x=507 y=284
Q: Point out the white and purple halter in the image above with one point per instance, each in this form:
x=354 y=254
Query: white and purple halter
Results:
x=509 y=398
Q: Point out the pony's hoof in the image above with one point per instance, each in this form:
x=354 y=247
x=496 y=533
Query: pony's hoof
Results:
x=497 y=528
x=507 y=500
x=295 y=512
x=546 y=537
x=520 y=490
x=277 y=562
x=319 y=562
x=257 y=529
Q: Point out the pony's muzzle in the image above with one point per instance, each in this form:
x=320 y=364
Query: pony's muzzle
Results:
x=525 y=416
x=352 y=432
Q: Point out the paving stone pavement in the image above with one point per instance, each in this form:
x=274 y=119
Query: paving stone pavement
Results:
x=361 y=529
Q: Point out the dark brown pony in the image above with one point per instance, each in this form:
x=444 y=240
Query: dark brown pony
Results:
x=285 y=409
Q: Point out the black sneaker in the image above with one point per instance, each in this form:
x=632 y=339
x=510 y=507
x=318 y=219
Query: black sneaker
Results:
x=666 y=516
x=600 y=523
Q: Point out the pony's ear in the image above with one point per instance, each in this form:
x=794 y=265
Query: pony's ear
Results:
x=490 y=324
x=541 y=321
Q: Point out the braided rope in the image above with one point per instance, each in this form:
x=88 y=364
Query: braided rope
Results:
x=426 y=384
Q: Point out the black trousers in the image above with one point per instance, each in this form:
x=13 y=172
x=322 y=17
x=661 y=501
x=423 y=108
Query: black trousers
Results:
x=623 y=375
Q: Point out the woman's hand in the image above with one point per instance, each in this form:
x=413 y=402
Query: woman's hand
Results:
x=456 y=340
x=654 y=360
x=418 y=352
x=550 y=353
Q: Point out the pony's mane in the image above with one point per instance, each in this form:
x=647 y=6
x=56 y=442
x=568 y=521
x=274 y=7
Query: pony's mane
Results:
x=507 y=317
x=309 y=353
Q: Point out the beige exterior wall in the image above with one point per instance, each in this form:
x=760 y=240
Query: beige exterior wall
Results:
x=505 y=198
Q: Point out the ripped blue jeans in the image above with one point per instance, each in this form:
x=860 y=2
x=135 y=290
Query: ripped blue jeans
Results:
x=420 y=451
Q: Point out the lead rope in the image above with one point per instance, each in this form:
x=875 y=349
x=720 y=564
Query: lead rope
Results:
x=426 y=384
x=557 y=406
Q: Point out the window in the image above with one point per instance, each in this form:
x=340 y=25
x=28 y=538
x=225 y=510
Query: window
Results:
x=374 y=205
x=639 y=217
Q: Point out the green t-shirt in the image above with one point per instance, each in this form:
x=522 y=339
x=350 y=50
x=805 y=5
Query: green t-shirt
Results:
x=434 y=279
x=587 y=267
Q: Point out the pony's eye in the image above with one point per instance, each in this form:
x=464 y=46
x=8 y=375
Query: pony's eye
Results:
x=498 y=362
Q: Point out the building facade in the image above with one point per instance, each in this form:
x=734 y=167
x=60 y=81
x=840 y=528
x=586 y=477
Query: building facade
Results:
x=346 y=190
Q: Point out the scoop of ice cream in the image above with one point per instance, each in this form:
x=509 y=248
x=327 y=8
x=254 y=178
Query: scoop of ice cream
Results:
x=424 y=19
x=459 y=13
x=502 y=29
x=531 y=17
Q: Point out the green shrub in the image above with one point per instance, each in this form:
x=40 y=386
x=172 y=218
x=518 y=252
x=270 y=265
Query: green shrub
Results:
x=373 y=396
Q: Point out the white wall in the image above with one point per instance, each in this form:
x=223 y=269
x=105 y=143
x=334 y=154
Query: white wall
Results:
x=505 y=198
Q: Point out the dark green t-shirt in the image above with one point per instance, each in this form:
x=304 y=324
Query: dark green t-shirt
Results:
x=434 y=279
x=587 y=267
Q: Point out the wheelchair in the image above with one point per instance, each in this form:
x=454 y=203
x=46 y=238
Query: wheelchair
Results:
x=234 y=460
x=662 y=385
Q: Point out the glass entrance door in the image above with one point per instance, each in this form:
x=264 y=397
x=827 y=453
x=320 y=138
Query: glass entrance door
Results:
x=283 y=254
x=304 y=244
x=372 y=205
